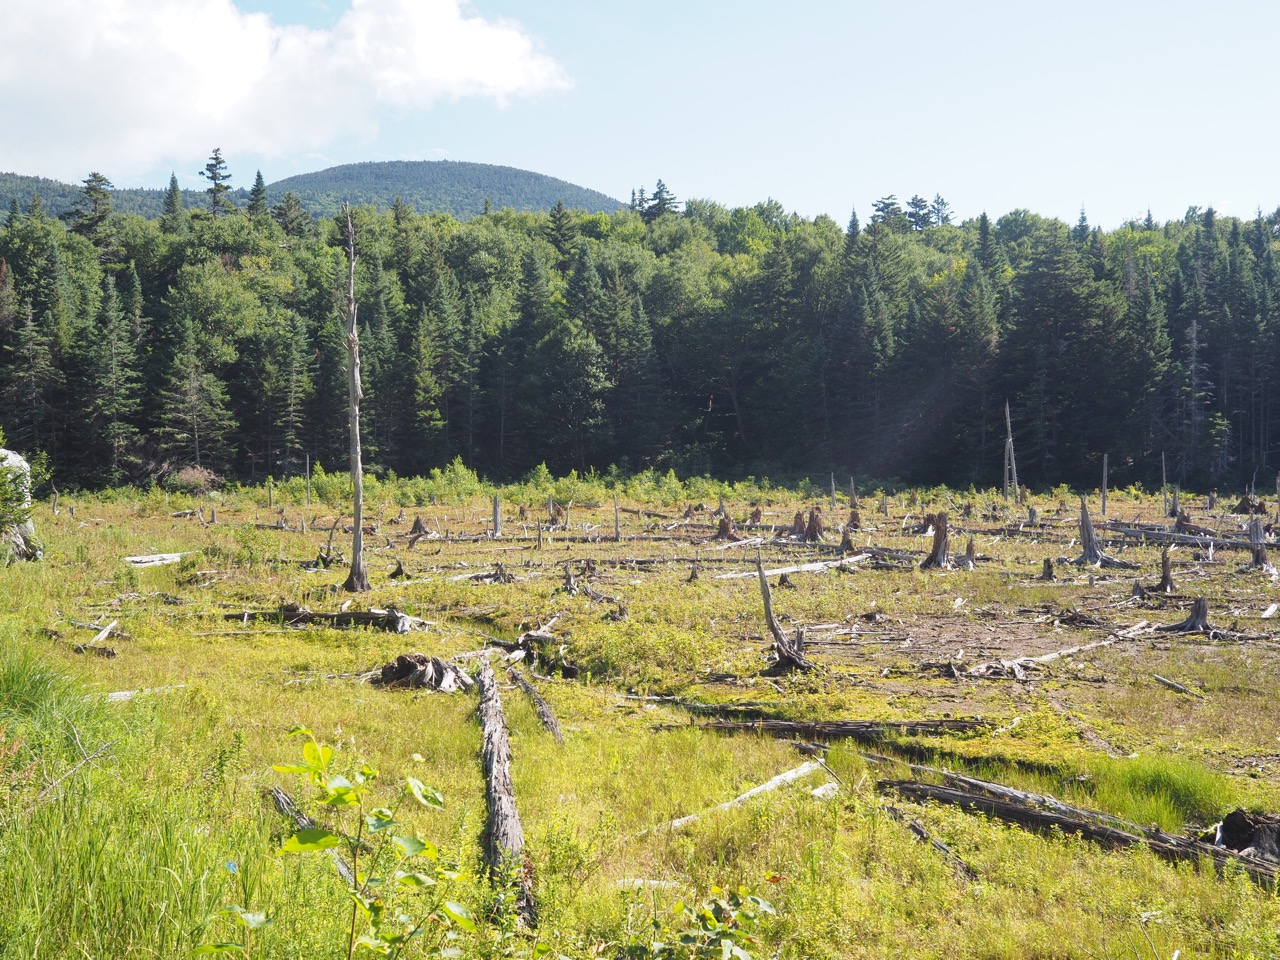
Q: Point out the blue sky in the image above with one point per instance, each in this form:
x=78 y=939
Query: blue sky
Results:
x=823 y=105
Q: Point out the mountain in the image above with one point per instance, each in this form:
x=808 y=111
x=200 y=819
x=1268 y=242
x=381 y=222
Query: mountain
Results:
x=437 y=186
x=430 y=186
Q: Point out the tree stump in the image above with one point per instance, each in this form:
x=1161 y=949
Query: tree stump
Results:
x=756 y=516
x=797 y=524
x=855 y=521
x=814 y=529
x=1047 y=572
x=1197 y=621
x=1091 y=554
x=1166 y=573
x=726 y=530
x=419 y=529
x=938 y=556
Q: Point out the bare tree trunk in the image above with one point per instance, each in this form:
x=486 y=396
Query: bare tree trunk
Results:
x=358 y=578
x=789 y=650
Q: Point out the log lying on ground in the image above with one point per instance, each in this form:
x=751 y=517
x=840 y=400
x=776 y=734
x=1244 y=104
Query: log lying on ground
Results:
x=154 y=559
x=788 y=650
x=1157 y=535
x=1250 y=834
x=920 y=833
x=781 y=780
x=284 y=803
x=293 y=615
x=417 y=670
x=815 y=567
x=504 y=847
x=1017 y=668
x=544 y=709
x=1092 y=554
x=863 y=731
x=1026 y=814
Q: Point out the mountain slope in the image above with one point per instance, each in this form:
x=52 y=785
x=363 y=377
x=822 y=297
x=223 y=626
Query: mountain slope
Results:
x=438 y=186
x=430 y=186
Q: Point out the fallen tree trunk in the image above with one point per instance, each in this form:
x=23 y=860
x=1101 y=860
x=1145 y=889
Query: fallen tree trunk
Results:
x=504 y=847
x=284 y=803
x=782 y=779
x=292 y=615
x=920 y=833
x=1022 y=813
x=863 y=731
x=544 y=710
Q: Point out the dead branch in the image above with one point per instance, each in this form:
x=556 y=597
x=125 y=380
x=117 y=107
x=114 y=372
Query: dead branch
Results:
x=544 y=710
x=789 y=650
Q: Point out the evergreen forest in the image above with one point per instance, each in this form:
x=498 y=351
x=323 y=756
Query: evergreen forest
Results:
x=668 y=334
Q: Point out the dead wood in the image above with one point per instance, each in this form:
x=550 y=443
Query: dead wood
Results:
x=1250 y=834
x=863 y=731
x=782 y=779
x=756 y=515
x=1258 y=547
x=399 y=572
x=1249 y=504
x=1166 y=584
x=798 y=525
x=419 y=528
x=1091 y=554
x=1047 y=572
x=1175 y=686
x=938 y=557
x=504 y=847
x=815 y=528
x=789 y=651
x=846 y=540
x=416 y=670
x=1197 y=620
x=726 y=530
x=1017 y=668
x=855 y=521
x=970 y=556
x=1025 y=814
x=570 y=581
x=293 y=615
x=545 y=715
x=917 y=829
x=693 y=572
x=284 y=803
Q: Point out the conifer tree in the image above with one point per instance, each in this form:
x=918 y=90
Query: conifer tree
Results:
x=113 y=400
x=196 y=421
x=257 y=208
x=215 y=171
x=174 y=218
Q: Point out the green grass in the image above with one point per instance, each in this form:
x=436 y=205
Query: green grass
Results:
x=128 y=855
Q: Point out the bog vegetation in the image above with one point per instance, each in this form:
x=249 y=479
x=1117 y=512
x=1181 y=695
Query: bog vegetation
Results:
x=154 y=664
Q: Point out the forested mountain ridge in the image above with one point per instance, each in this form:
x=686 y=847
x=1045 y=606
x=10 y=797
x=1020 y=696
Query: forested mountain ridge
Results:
x=433 y=186
x=707 y=339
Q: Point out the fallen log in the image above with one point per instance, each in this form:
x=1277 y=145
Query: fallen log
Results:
x=815 y=567
x=544 y=710
x=154 y=559
x=920 y=833
x=504 y=846
x=781 y=780
x=1015 y=811
x=863 y=731
x=284 y=803
x=293 y=615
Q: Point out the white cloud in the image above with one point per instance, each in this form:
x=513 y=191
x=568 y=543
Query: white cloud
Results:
x=127 y=86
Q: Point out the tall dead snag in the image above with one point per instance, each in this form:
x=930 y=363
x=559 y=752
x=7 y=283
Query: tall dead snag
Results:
x=1010 y=462
x=939 y=556
x=1091 y=554
x=789 y=650
x=504 y=846
x=544 y=710
x=358 y=577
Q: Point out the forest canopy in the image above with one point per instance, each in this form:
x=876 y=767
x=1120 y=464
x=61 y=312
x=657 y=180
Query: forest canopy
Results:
x=669 y=334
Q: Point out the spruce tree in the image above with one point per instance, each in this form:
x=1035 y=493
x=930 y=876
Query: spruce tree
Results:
x=293 y=220
x=215 y=171
x=174 y=218
x=196 y=423
x=257 y=208
x=113 y=397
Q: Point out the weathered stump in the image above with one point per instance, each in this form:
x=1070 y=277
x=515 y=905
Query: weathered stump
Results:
x=814 y=529
x=1091 y=554
x=1166 y=573
x=939 y=556
x=1197 y=620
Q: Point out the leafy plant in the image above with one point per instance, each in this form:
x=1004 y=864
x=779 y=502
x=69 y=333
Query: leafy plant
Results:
x=720 y=928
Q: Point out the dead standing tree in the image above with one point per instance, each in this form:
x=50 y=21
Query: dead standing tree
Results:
x=358 y=579
x=790 y=650
x=939 y=556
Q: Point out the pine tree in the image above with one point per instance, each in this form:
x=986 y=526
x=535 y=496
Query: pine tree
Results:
x=257 y=208
x=29 y=381
x=662 y=202
x=215 y=171
x=562 y=233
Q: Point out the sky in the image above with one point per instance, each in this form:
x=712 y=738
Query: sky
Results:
x=1116 y=107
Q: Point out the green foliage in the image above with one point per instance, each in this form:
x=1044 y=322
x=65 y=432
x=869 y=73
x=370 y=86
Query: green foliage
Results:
x=720 y=928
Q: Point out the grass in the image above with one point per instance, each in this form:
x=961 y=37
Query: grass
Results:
x=129 y=855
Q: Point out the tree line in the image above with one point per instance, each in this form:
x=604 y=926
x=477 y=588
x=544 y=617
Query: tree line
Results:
x=707 y=339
